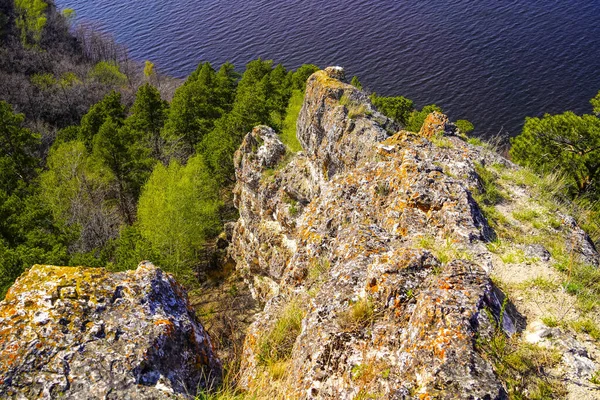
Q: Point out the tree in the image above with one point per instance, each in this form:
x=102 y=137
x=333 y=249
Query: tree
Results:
x=148 y=115
x=356 y=83
x=279 y=92
x=565 y=143
x=17 y=148
x=226 y=80
x=31 y=19
x=78 y=192
x=417 y=118
x=109 y=107
x=178 y=212
x=596 y=104
x=149 y=69
x=464 y=126
x=301 y=75
x=397 y=108
x=119 y=148
x=193 y=110
x=108 y=73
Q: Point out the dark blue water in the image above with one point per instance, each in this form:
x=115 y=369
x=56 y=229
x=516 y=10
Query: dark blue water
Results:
x=490 y=61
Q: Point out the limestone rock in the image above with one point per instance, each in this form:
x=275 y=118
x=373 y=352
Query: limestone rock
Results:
x=436 y=124
x=74 y=332
x=338 y=226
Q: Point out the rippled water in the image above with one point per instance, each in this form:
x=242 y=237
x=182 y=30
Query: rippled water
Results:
x=490 y=61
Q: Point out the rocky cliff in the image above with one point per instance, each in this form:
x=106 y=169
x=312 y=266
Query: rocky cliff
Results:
x=372 y=256
x=387 y=264
x=84 y=333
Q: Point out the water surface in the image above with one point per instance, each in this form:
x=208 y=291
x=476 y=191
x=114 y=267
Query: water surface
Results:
x=491 y=62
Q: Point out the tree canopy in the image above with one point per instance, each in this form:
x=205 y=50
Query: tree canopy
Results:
x=565 y=143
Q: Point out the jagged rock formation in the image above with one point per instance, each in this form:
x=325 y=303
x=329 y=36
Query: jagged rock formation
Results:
x=85 y=333
x=339 y=229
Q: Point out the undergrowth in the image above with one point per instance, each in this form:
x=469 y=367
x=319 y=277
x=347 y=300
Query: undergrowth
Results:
x=522 y=367
x=288 y=133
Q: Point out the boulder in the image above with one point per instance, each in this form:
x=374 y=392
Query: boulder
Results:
x=86 y=333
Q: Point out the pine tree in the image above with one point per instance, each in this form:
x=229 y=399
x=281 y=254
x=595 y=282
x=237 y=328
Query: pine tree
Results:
x=148 y=115
x=109 y=107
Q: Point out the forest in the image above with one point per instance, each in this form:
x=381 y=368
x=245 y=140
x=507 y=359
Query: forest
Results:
x=106 y=162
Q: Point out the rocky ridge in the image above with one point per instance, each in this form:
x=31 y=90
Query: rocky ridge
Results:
x=371 y=236
x=74 y=332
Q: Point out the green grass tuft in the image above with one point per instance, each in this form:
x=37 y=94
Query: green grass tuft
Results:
x=288 y=134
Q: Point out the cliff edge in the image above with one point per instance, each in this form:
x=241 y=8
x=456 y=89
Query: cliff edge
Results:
x=371 y=255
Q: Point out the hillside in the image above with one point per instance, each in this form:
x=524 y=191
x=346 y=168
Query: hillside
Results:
x=373 y=263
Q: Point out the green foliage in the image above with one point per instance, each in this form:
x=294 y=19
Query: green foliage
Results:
x=148 y=115
x=279 y=95
x=567 y=143
x=72 y=182
x=417 y=118
x=595 y=102
x=119 y=148
x=489 y=192
x=464 y=126
x=288 y=134
x=109 y=107
x=178 y=212
x=31 y=20
x=43 y=81
x=17 y=148
x=69 y=15
x=131 y=248
x=356 y=83
x=301 y=75
x=27 y=232
x=397 y=108
x=108 y=73
x=149 y=69
x=259 y=100
x=195 y=107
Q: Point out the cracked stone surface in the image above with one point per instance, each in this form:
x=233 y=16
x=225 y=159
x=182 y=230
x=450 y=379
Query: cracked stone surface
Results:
x=75 y=332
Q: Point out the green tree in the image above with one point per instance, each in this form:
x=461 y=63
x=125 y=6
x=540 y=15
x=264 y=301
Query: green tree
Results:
x=565 y=143
x=120 y=149
x=108 y=73
x=28 y=234
x=252 y=106
x=465 y=127
x=417 y=118
x=596 y=104
x=301 y=75
x=397 y=108
x=193 y=111
x=148 y=115
x=356 y=83
x=279 y=88
x=178 y=212
x=79 y=193
x=30 y=20
x=227 y=79
x=17 y=148
x=109 y=107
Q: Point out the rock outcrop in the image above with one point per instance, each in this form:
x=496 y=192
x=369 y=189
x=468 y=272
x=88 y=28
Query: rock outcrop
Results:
x=338 y=228
x=372 y=237
x=85 y=333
